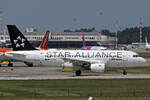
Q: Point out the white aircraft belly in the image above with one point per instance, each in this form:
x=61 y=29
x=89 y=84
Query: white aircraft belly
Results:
x=51 y=62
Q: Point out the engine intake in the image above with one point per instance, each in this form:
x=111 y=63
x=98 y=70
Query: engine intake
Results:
x=97 y=67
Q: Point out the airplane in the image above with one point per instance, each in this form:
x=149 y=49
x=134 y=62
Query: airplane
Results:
x=128 y=46
x=43 y=46
x=90 y=47
x=94 y=60
x=147 y=45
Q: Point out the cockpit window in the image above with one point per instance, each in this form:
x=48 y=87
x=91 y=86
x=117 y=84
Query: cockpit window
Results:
x=135 y=55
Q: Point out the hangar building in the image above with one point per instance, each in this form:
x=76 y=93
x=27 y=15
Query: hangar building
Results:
x=64 y=39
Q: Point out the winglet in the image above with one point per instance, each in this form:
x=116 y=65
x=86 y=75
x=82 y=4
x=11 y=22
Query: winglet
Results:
x=44 y=43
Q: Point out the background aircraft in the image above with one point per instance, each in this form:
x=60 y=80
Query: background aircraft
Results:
x=90 y=47
x=147 y=46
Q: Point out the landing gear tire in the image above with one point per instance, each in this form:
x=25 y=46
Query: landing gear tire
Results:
x=30 y=65
x=10 y=65
x=78 y=73
x=124 y=72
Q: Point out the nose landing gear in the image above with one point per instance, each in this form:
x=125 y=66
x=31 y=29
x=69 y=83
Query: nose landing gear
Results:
x=78 y=73
x=124 y=71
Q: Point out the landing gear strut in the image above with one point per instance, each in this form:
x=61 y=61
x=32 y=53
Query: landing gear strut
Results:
x=29 y=64
x=10 y=64
x=124 y=71
x=78 y=72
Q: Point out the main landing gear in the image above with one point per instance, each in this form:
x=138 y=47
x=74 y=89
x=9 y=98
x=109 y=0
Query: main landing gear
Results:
x=29 y=64
x=124 y=71
x=78 y=73
x=10 y=64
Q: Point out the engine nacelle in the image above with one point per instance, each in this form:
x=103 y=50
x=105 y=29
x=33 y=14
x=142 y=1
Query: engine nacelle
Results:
x=97 y=67
x=67 y=65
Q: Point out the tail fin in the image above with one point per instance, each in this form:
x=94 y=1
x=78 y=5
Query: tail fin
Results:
x=83 y=38
x=18 y=41
x=146 y=41
x=44 y=43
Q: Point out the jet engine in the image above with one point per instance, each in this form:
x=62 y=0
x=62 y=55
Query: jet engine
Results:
x=67 y=64
x=97 y=67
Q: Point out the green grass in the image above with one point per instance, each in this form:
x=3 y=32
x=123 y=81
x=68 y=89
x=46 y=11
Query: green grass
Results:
x=79 y=89
x=144 y=55
x=118 y=70
x=130 y=70
x=75 y=88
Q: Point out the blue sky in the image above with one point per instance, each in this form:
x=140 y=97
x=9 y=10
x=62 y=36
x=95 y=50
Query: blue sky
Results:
x=58 y=15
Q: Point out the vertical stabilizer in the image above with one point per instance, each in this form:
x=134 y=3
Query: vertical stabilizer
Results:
x=83 y=39
x=44 y=43
x=146 y=41
x=18 y=41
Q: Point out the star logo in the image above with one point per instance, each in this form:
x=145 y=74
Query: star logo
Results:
x=20 y=42
x=18 y=38
x=17 y=45
x=15 y=41
x=23 y=40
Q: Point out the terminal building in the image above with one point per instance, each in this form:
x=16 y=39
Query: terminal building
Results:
x=63 y=39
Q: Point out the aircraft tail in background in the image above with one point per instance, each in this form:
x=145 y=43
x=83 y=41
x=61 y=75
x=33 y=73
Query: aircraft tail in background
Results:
x=44 y=43
x=83 y=39
x=84 y=47
x=146 y=41
x=147 y=46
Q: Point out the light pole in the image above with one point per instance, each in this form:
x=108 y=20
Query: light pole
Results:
x=1 y=19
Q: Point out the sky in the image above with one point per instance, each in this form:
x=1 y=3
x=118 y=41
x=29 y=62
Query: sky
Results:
x=57 y=15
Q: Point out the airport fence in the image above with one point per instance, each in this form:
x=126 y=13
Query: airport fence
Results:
x=38 y=93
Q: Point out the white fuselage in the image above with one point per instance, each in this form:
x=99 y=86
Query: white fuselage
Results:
x=58 y=57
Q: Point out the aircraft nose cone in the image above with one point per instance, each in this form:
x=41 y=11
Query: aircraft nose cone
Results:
x=143 y=60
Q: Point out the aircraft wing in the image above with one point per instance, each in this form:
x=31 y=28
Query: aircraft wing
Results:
x=16 y=56
x=86 y=64
x=81 y=61
x=71 y=60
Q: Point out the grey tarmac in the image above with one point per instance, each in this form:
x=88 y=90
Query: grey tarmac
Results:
x=22 y=72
